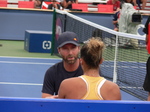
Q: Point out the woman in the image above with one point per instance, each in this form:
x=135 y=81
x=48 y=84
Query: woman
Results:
x=90 y=85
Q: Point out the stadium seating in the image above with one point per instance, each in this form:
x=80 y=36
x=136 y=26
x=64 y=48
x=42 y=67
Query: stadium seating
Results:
x=83 y=7
x=25 y=4
x=105 y=8
x=3 y=3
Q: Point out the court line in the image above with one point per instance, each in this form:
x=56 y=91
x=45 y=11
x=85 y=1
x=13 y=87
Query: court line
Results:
x=130 y=87
x=131 y=66
x=30 y=57
x=122 y=66
x=54 y=63
x=30 y=84
x=59 y=59
x=26 y=63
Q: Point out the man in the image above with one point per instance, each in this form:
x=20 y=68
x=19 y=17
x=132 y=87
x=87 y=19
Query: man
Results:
x=54 y=4
x=146 y=84
x=38 y=3
x=69 y=49
x=115 y=3
x=67 y=4
x=115 y=21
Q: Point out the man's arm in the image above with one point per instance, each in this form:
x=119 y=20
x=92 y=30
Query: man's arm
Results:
x=48 y=83
x=134 y=2
x=144 y=4
x=37 y=3
x=46 y=95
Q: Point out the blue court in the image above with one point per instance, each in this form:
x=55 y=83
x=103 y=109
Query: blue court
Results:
x=23 y=77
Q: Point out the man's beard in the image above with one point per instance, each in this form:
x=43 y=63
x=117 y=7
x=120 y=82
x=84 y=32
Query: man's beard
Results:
x=70 y=61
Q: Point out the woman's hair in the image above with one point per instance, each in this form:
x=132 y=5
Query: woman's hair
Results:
x=91 y=52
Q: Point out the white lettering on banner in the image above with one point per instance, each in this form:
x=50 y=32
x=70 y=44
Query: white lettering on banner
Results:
x=58 y=30
x=46 y=45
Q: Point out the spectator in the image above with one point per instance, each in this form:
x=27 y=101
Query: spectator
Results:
x=68 y=49
x=130 y=1
x=115 y=3
x=139 y=2
x=61 y=3
x=90 y=86
x=115 y=21
x=67 y=4
x=146 y=84
x=38 y=4
x=54 y=4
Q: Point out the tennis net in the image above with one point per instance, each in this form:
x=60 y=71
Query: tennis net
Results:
x=125 y=55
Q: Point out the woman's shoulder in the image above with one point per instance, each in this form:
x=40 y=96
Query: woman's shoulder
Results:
x=110 y=84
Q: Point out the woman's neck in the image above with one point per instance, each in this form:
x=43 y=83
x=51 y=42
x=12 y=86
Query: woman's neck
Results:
x=92 y=72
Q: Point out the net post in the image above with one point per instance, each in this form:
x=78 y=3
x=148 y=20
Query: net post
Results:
x=53 y=31
x=115 y=61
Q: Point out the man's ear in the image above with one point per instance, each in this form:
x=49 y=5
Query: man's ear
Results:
x=58 y=50
x=81 y=61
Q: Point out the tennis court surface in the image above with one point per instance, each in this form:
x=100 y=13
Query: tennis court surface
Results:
x=23 y=77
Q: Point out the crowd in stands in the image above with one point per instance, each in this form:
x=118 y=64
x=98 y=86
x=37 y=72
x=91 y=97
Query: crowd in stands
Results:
x=58 y=4
x=67 y=4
